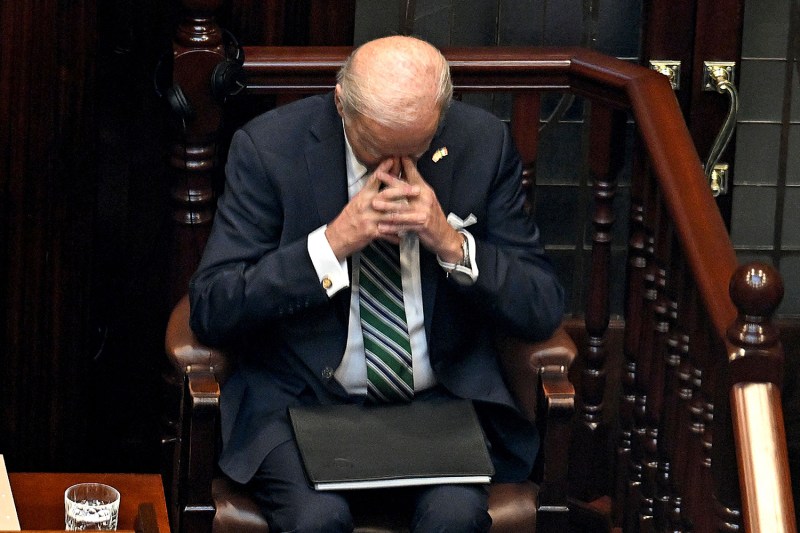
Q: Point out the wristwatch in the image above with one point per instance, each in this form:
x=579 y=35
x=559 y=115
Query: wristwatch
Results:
x=465 y=250
x=461 y=272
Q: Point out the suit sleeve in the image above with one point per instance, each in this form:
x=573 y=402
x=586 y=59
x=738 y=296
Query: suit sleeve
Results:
x=516 y=281
x=251 y=270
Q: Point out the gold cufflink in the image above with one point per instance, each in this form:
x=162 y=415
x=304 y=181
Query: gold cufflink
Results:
x=326 y=283
x=438 y=154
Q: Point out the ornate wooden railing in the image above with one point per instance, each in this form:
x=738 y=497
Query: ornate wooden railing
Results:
x=692 y=438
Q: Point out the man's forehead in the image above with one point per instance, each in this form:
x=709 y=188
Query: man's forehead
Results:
x=388 y=137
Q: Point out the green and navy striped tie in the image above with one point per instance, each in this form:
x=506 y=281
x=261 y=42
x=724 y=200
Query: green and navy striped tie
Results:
x=383 y=323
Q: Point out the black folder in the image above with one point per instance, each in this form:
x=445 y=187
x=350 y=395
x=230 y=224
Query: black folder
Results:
x=395 y=445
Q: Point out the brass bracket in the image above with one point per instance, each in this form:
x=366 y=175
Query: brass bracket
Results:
x=719 y=179
x=669 y=68
x=716 y=72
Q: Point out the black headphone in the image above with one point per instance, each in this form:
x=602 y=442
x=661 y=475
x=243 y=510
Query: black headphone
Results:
x=227 y=79
x=179 y=106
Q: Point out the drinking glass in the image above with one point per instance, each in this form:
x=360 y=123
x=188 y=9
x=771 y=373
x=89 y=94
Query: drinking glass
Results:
x=91 y=506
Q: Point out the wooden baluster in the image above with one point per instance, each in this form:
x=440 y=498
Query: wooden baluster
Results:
x=197 y=49
x=722 y=490
x=667 y=453
x=645 y=326
x=725 y=505
x=525 y=114
x=605 y=160
x=729 y=519
x=675 y=422
x=651 y=366
x=694 y=470
x=634 y=297
x=684 y=443
x=654 y=388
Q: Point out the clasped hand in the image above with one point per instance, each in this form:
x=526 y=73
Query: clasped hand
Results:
x=394 y=200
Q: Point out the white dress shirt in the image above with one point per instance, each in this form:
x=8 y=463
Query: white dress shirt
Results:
x=352 y=372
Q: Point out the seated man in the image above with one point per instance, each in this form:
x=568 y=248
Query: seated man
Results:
x=383 y=201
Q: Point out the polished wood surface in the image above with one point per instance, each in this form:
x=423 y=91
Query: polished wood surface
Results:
x=39 y=497
x=759 y=426
x=46 y=215
x=694 y=31
x=755 y=397
x=83 y=235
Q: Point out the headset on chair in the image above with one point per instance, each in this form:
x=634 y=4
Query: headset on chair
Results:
x=227 y=79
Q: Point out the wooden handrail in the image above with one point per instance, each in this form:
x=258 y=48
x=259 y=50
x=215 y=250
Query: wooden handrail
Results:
x=614 y=82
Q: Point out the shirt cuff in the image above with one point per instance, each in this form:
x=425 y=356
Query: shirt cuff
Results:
x=463 y=275
x=331 y=272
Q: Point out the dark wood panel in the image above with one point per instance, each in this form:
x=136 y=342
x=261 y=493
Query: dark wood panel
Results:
x=668 y=34
x=292 y=22
x=694 y=32
x=47 y=218
x=84 y=227
x=718 y=37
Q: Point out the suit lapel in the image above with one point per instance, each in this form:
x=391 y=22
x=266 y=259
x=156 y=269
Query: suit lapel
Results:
x=326 y=164
x=439 y=175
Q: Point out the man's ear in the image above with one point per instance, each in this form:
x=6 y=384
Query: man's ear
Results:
x=337 y=98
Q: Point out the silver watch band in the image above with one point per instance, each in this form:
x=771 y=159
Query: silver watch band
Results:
x=465 y=262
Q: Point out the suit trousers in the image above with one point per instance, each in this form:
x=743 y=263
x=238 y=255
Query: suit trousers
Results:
x=289 y=503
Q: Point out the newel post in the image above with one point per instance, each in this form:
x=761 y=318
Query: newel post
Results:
x=756 y=354
x=198 y=48
x=755 y=370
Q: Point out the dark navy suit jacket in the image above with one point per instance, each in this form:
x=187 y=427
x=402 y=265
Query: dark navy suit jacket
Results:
x=256 y=291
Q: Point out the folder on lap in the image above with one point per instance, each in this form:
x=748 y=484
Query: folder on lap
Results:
x=396 y=445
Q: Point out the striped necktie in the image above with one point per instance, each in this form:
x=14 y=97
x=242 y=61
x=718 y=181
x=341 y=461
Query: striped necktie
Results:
x=383 y=323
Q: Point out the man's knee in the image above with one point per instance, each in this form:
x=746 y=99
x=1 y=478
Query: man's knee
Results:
x=452 y=508
x=328 y=513
x=289 y=503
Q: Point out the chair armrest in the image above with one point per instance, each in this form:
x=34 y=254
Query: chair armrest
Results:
x=201 y=369
x=527 y=365
x=559 y=395
x=197 y=449
x=184 y=350
x=537 y=371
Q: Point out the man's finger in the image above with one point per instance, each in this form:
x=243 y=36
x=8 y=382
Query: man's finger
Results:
x=376 y=178
x=410 y=172
x=386 y=165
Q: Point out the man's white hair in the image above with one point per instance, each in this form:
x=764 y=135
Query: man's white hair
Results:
x=402 y=79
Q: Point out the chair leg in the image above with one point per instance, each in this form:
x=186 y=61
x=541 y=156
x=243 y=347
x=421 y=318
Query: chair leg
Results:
x=196 y=519
x=552 y=520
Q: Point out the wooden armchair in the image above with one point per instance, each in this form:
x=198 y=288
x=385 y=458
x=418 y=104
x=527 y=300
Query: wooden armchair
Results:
x=675 y=398
x=207 y=501
x=201 y=498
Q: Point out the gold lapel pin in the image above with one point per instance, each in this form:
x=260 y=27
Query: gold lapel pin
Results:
x=438 y=154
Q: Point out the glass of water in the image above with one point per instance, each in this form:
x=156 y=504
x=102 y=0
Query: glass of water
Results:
x=91 y=506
